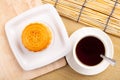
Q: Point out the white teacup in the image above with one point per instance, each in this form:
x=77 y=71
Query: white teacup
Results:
x=85 y=34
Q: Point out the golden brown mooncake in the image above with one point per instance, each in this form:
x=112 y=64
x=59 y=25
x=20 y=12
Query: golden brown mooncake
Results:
x=36 y=37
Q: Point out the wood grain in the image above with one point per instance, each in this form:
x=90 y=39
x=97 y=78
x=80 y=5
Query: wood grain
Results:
x=9 y=68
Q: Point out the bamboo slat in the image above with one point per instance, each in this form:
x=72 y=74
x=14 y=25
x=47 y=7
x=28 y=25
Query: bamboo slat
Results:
x=95 y=13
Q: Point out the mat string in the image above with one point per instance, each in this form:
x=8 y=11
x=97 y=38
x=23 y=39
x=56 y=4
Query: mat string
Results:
x=55 y=3
x=81 y=10
x=108 y=19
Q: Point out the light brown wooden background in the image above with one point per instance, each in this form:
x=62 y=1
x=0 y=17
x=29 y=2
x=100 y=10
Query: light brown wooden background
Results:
x=10 y=69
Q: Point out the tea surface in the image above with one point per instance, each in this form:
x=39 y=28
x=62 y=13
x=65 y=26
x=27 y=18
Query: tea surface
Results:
x=88 y=50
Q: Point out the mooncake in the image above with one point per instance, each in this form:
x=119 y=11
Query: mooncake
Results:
x=36 y=37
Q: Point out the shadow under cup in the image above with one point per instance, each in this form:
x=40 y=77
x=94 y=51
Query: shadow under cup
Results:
x=88 y=50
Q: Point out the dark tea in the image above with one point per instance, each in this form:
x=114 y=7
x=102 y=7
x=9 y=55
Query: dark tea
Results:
x=88 y=50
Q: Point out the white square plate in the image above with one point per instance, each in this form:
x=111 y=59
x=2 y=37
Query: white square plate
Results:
x=59 y=47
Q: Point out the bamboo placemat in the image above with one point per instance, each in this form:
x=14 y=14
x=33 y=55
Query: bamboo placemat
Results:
x=104 y=14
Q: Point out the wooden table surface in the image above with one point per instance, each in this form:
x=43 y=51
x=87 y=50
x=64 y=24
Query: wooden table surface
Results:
x=66 y=73
x=9 y=68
